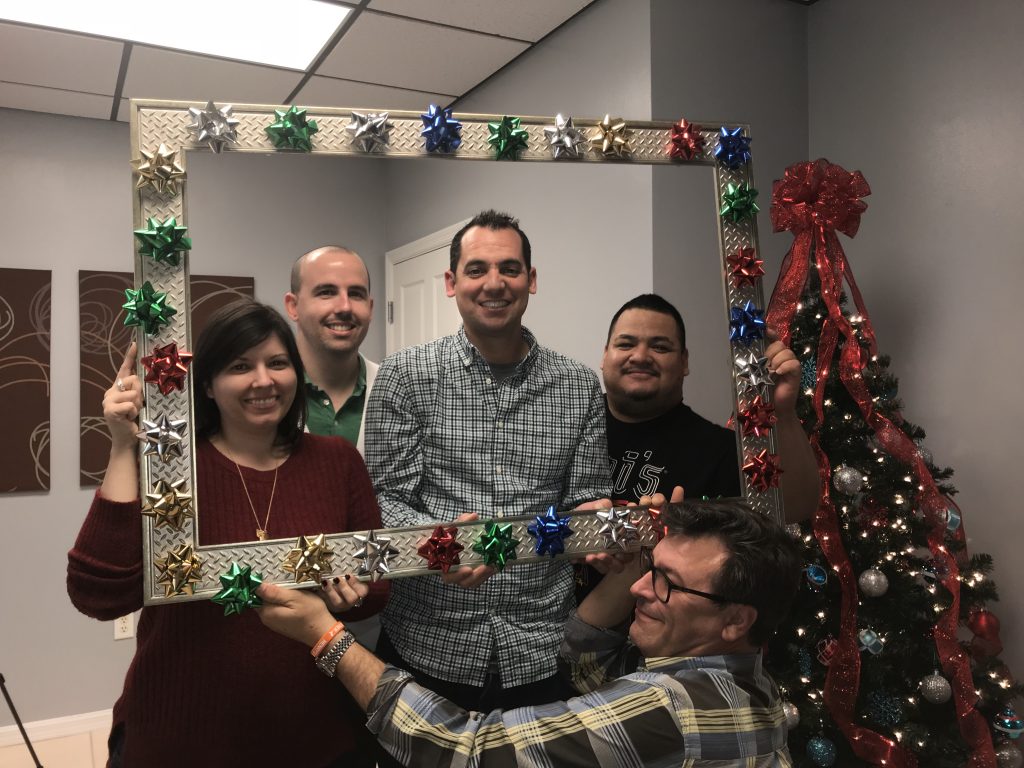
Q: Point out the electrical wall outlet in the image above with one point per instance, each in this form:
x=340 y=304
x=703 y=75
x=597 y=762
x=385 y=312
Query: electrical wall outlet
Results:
x=124 y=627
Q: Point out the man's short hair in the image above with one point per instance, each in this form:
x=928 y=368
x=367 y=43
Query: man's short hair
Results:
x=296 y=279
x=764 y=564
x=653 y=303
x=494 y=220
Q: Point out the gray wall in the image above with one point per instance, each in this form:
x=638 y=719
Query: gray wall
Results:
x=598 y=62
x=759 y=77
x=65 y=205
x=926 y=99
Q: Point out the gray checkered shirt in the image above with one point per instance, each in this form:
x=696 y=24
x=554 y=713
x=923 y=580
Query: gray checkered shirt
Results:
x=443 y=438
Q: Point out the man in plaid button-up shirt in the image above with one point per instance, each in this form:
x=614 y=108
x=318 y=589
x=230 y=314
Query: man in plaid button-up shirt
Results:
x=484 y=421
x=710 y=594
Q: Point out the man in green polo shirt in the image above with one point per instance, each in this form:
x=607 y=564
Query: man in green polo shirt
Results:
x=331 y=305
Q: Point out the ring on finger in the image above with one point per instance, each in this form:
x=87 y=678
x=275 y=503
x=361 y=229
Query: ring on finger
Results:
x=120 y=385
x=358 y=602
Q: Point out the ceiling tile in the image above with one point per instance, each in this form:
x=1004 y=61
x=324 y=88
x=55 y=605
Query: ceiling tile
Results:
x=331 y=92
x=523 y=19
x=58 y=60
x=417 y=55
x=53 y=100
x=154 y=73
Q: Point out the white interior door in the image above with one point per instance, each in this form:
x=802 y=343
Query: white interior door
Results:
x=418 y=310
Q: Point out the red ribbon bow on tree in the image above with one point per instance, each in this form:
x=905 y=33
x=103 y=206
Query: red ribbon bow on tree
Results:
x=814 y=201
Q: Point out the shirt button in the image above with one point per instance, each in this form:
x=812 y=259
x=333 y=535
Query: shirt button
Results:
x=488 y=379
x=327 y=402
x=499 y=424
x=497 y=470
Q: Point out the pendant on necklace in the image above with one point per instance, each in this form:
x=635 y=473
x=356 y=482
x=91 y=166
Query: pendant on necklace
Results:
x=261 y=534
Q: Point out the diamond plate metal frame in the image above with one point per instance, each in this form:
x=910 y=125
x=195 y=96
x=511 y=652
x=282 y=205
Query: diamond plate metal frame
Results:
x=167 y=122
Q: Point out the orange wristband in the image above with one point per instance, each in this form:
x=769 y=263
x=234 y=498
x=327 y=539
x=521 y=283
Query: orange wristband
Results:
x=326 y=638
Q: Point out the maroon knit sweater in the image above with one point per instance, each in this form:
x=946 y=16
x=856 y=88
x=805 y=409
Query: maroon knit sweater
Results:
x=206 y=689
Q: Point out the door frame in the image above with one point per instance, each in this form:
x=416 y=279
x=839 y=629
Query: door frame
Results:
x=406 y=252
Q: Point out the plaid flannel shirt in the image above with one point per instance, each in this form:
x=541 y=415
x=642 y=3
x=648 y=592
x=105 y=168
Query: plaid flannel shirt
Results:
x=697 y=712
x=443 y=438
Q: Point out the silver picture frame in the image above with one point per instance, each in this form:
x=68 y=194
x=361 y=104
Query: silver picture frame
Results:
x=171 y=125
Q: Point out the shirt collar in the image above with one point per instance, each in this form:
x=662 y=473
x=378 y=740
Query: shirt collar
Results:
x=360 y=387
x=747 y=663
x=470 y=353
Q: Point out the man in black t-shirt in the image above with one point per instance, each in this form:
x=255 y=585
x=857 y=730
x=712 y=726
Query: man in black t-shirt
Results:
x=657 y=442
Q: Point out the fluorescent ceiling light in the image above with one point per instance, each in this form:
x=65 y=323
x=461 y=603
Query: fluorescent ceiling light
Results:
x=285 y=34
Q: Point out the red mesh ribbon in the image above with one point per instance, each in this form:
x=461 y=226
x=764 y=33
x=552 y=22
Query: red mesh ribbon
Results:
x=814 y=201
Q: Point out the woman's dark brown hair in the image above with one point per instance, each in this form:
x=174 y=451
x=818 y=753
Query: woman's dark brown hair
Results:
x=231 y=331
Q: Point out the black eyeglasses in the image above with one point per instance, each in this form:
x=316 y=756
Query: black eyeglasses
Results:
x=663 y=587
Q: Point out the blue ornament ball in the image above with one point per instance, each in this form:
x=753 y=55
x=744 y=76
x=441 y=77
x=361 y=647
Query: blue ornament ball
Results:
x=821 y=751
x=816 y=575
x=1008 y=723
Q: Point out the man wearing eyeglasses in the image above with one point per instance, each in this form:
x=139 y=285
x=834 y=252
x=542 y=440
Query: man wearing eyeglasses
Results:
x=686 y=686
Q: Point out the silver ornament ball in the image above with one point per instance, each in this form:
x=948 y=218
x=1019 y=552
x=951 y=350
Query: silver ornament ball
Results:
x=1008 y=756
x=792 y=713
x=935 y=688
x=847 y=480
x=873 y=583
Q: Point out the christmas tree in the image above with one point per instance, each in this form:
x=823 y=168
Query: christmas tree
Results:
x=870 y=664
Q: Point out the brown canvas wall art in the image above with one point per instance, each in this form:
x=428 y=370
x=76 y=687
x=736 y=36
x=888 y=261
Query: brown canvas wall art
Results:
x=104 y=339
x=25 y=379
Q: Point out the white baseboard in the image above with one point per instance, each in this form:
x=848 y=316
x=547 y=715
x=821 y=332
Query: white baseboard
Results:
x=42 y=730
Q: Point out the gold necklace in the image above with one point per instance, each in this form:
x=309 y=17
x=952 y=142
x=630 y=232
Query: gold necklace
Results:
x=261 y=531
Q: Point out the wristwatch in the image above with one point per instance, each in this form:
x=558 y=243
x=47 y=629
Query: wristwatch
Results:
x=328 y=660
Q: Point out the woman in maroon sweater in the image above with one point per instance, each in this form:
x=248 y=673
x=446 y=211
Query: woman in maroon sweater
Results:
x=205 y=689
